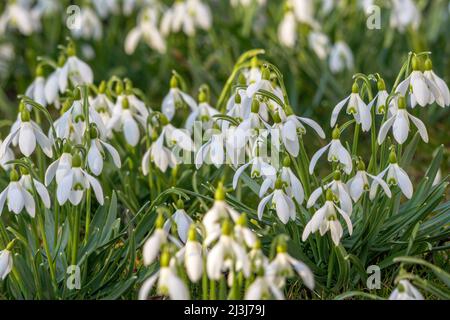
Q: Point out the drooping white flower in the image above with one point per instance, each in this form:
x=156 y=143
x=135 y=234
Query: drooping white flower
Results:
x=6 y=263
x=153 y=245
x=167 y=281
x=380 y=98
x=174 y=98
x=89 y=25
x=341 y=57
x=186 y=16
x=102 y=104
x=336 y=153
x=74 y=71
x=356 y=107
x=17 y=197
x=146 y=29
x=183 y=222
x=304 y=12
x=106 y=7
x=259 y=168
x=405 y=291
x=287 y=30
x=404 y=14
x=36 y=90
x=212 y=152
x=29 y=183
x=7 y=156
x=242 y=233
x=28 y=134
x=96 y=153
x=319 y=43
x=442 y=94
x=263 y=83
x=52 y=87
x=395 y=176
x=284 y=266
x=399 y=121
x=263 y=287
x=326 y=219
x=360 y=183
x=18 y=15
x=193 y=256
x=204 y=112
x=283 y=204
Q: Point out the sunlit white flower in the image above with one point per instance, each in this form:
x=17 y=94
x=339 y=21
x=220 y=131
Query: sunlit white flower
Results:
x=319 y=43
x=175 y=98
x=399 y=121
x=360 y=183
x=259 y=168
x=18 y=15
x=146 y=29
x=29 y=184
x=212 y=152
x=395 y=176
x=6 y=263
x=287 y=30
x=7 y=156
x=380 y=98
x=59 y=168
x=204 y=112
x=242 y=233
x=281 y=202
x=341 y=57
x=36 y=90
x=336 y=153
x=263 y=287
x=186 y=16
x=404 y=14
x=183 y=222
x=89 y=25
x=102 y=105
x=284 y=266
x=263 y=83
x=442 y=95
x=17 y=197
x=405 y=291
x=74 y=71
x=106 y=7
x=96 y=153
x=153 y=245
x=356 y=107
x=167 y=281
x=28 y=134
x=304 y=12
x=326 y=219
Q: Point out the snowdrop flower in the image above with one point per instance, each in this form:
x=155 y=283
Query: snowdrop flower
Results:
x=238 y=106
x=261 y=84
x=405 y=291
x=53 y=87
x=227 y=254
x=380 y=98
x=96 y=153
x=28 y=133
x=339 y=190
x=404 y=14
x=243 y=233
x=105 y=7
x=287 y=30
x=395 y=176
x=74 y=71
x=442 y=94
x=246 y=3
x=36 y=90
x=304 y=12
x=399 y=121
x=182 y=220
x=193 y=256
x=424 y=90
x=7 y=156
x=360 y=183
x=19 y=16
x=341 y=57
x=283 y=204
x=326 y=219
x=72 y=181
x=89 y=25
x=263 y=287
x=176 y=98
x=6 y=263
x=29 y=184
x=154 y=243
x=356 y=107
x=204 y=112
x=336 y=153
x=146 y=29
x=167 y=282
x=319 y=43
x=212 y=152
x=102 y=104
x=284 y=265
x=17 y=197
x=259 y=168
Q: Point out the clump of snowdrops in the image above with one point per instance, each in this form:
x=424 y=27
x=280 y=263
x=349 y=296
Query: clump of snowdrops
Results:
x=107 y=196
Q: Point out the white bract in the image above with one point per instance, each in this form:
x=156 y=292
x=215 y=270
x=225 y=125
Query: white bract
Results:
x=405 y=291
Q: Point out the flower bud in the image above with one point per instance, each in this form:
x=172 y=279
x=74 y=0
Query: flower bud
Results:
x=119 y=87
x=242 y=220
x=24 y=171
x=242 y=80
x=276 y=117
x=202 y=97
x=173 y=82
x=361 y=165
x=415 y=63
x=192 y=234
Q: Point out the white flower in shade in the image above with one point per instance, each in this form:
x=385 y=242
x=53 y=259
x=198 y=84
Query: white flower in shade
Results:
x=404 y=14
x=360 y=183
x=186 y=16
x=167 y=282
x=238 y=106
x=89 y=25
x=283 y=204
x=405 y=291
x=193 y=256
x=146 y=29
x=182 y=220
x=127 y=113
x=326 y=219
x=17 y=197
x=176 y=98
x=7 y=156
x=227 y=254
x=72 y=181
x=259 y=168
x=336 y=153
x=52 y=87
x=442 y=94
x=356 y=107
x=6 y=263
x=380 y=98
x=263 y=287
x=74 y=71
x=319 y=43
x=102 y=105
x=36 y=90
x=339 y=191
x=212 y=152
x=28 y=183
x=106 y=7
x=96 y=153
x=341 y=57
x=395 y=176
x=242 y=233
x=287 y=30
x=28 y=134
x=399 y=121
x=284 y=266
x=19 y=16
x=153 y=244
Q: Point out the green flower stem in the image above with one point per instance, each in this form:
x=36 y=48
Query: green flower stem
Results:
x=331 y=260
x=212 y=290
x=355 y=139
x=88 y=215
x=76 y=235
